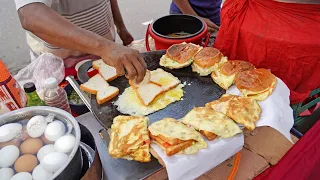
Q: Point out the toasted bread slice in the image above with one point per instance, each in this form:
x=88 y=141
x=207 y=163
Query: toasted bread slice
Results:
x=106 y=94
x=97 y=64
x=164 y=79
x=148 y=92
x=172 y=149
x=94 y=84
x=209 y=135
x=109 y=73
x=146 y=80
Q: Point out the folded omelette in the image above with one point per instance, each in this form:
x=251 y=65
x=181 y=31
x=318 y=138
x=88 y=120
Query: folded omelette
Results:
x=129 y=138
x=243 y=110
x=208 y=121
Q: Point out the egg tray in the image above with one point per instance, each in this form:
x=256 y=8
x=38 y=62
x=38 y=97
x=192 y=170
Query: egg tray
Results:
x=197 y=92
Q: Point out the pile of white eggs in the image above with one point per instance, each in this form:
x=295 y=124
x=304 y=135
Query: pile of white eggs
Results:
x=35 y=151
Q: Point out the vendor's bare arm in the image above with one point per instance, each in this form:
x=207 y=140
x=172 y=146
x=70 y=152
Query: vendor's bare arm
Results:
x=186 y=8
x=50 y=26
x=118 y=21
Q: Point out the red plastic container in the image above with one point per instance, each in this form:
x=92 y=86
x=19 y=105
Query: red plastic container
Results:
x=158 y=30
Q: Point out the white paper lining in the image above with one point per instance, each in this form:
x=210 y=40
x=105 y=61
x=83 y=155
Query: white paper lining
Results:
x=276 y=113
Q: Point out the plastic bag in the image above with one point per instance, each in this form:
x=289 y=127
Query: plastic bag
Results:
x=140 y=45
x=45 y=66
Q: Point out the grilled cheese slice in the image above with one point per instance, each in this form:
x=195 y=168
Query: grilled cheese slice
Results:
x=243 y=110
x=175 y=137
x=179 y=55
x=129 y=138
x=224 y=75
x=211 y=123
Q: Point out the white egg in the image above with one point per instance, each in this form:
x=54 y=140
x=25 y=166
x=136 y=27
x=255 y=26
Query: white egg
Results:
x=54 y=161
x=47 y=149
x=22 y=176
x=39 y=173
x=9 y=131
x=65 y=143
x=54 y=130
x=36 y=126
x=6 y=173
x=8 y=155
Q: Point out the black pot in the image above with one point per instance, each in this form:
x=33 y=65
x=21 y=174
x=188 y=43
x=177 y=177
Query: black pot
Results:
x=177 y=23
x=78 y=109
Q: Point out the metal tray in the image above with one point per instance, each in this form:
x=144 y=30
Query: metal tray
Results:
x=197 y=91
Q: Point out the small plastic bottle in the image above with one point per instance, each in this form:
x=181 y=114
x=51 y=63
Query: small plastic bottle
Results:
x=33 y=98
x=55 y=96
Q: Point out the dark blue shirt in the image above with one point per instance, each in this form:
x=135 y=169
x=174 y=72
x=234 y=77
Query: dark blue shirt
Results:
x=205 y=8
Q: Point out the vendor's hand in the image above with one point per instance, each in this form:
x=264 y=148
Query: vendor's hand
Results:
x=127 y=61
x=125 y=36
x=212 y=27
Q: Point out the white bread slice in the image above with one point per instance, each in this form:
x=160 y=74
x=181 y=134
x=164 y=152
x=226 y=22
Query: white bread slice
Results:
x=106 y=94
x=148 y=92
x=109 y=73
x=164 y=79
x=146 y=80
x=97 y=64
x=94 y=84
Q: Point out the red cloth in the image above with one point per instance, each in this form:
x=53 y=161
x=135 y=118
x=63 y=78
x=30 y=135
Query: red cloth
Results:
x=301 y=162
x=283 y=37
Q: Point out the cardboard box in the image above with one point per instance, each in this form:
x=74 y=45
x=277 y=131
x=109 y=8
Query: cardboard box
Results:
x=268 y=143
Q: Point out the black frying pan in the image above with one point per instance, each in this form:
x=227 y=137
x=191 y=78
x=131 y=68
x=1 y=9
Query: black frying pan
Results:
x=197 y=91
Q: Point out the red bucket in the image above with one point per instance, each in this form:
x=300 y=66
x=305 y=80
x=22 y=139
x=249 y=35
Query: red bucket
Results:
x=159 y=30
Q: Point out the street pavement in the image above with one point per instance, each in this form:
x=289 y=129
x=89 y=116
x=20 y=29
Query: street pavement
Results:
x=13 y=48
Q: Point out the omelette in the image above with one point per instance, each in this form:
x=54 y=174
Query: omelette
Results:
x=129 y=138
x=224 y=75
x=174 y=137
x=257 y=84
x=210 y=123
x=243 y=110
x=130 y=103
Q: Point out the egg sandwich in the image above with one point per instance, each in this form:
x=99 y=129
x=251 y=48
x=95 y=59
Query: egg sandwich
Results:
x=99 y=86
x=207 y=60
x=257 y=84
x=179 y=55
x=175 y=137
x=129 y=138
x=243 y=110
x=109 y=73
x=211 y=123
x=225 y=74
x=146 y=91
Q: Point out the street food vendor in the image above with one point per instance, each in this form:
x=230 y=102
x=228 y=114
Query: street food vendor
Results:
x=207 y=10
x=80 y=29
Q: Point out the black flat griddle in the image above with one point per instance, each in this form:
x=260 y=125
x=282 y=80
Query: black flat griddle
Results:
x=197 y=92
